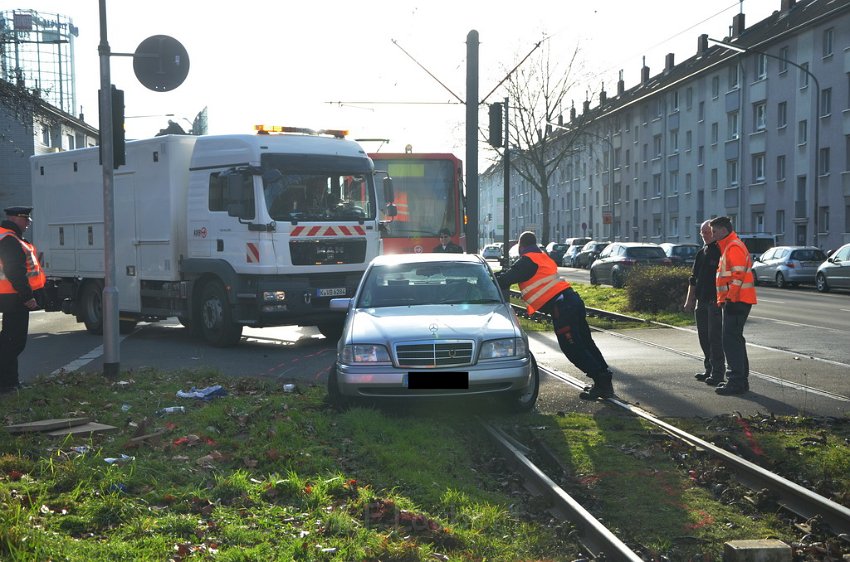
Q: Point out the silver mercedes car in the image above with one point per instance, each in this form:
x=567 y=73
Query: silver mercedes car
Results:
x=432 y=325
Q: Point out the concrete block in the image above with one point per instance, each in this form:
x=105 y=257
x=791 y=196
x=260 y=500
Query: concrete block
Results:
x=766 y=550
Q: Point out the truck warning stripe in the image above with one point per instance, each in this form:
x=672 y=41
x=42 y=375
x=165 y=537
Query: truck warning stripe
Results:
x=338 y=230
x=253 y=253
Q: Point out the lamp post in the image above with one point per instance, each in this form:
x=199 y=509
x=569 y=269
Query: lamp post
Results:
x=610 y=174
x=815 y=203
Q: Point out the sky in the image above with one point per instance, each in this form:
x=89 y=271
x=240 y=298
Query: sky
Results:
x=359 y=65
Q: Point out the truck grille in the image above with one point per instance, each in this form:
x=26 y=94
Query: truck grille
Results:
x=434 y=354
x=327 y=252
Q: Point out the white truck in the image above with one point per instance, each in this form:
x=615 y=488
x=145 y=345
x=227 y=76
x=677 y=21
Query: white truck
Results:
x=220 y=231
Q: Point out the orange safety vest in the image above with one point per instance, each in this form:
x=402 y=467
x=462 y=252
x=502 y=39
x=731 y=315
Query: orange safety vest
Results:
x=734 y=279
x=544 y=285
x=35 y=275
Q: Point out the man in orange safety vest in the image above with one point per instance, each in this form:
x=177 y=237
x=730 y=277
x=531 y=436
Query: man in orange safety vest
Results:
x=542 y=289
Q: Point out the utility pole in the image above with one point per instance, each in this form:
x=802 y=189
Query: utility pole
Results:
x=109 y=308
x=506 y=195
x=471 y=225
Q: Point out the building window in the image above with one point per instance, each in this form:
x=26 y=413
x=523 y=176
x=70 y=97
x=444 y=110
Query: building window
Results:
x=732 y=172
x=701 y=110
x=674 y=226
x=825 y=102
x=715 y=87
x=804 y=75
x=656 y=145
x=823 y=221
x=758 y=222
x=761 y=67
x=674 y=140
x=827 y=42
x=733 y=77
x=782 y=114
x=656 y=185
x=803 y=132
x=701 y=156
x=847 y=153
x=689 y=140
x=760 y=116
x=780 y=221
x=656 y=226
x=689 y=99
x=823 y=161
x=732 y=124
x=714 y=133
x=674 y=183
x=783 y=60
x=45 y=135
x=758 y=168
x=780 y=168
x=688 y=182
x=674 y=101
x=714 y=179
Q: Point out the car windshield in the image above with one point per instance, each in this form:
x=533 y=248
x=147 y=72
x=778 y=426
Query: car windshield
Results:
x=808 y=255
x=428 y=283
x=645 y=252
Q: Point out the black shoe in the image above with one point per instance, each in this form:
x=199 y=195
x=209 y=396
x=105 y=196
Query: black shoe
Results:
x=713 y=381
x=732 y=388
x=602 y=387
x=9 y=389
x=701 y=376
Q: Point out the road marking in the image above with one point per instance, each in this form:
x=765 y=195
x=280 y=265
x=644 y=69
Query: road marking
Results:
x=799 y=324
x=83 y=360
x=762 y=299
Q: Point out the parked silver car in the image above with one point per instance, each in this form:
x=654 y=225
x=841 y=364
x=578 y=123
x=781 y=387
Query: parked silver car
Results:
x=834 y=273
x=788 y=265
x=432 y=325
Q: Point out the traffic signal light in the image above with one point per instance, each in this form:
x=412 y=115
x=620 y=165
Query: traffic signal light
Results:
x=496 y=124
x=118 y=139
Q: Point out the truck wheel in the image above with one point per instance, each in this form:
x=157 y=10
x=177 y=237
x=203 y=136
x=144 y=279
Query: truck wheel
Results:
x=332 y=330
x=91 y=307
x=217 y=326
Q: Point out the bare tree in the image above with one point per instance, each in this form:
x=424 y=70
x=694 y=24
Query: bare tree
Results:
x=537 y=92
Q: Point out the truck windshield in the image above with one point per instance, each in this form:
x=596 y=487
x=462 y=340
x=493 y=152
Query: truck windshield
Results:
x=330 y=195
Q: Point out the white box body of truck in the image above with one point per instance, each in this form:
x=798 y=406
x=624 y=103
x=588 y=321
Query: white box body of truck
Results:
x=220 y=231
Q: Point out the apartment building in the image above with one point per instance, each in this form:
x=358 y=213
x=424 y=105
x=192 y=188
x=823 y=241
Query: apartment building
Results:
x=755 y=127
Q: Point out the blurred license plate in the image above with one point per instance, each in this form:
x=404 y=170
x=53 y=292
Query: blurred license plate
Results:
x=444 y=380
x=338 y=292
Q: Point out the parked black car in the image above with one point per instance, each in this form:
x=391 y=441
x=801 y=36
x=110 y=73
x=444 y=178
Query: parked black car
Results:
x=618 y=259
x=681 y=254
x=555 y=250
x=588 y=254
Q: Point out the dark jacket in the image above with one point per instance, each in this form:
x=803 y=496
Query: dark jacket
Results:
x=522 y=270
x=14 y=264
x=705 y=271
x=451 y=248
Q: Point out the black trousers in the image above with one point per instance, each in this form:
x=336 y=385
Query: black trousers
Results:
x=709 y=319
x=734 y=344
x=13 y=340
x=569 y=317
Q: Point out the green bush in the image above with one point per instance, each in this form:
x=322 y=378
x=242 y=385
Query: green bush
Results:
x=657 y=288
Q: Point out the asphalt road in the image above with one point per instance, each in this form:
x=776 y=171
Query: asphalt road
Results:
x=800 y=361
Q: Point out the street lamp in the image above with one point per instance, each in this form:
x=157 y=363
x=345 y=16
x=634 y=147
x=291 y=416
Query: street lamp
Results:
x=610 y=173
x=815 y=203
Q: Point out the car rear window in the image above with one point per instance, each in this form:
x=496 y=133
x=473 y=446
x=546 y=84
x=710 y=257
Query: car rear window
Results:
x=685 y=251
x=808 y=255
x=645 y=252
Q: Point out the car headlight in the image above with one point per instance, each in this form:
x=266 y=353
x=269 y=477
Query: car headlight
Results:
x=364 y=353
x=508 y=347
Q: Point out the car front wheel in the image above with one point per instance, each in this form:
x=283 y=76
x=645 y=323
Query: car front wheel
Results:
x=821 y=284
x=525 y=400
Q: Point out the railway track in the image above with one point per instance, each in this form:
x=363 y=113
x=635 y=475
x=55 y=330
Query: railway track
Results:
x=806 y=505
